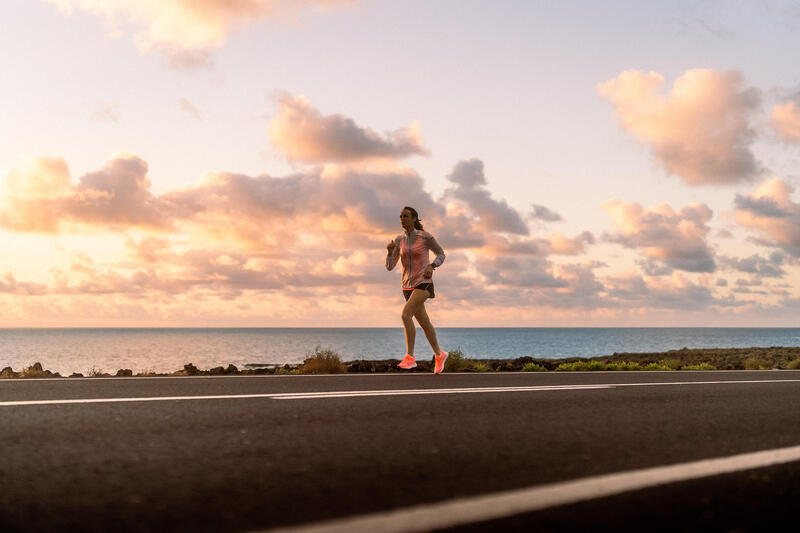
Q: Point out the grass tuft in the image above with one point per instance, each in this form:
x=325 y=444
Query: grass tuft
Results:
x=533 y=367
x=582 y=366
x=479 y=367
x=621 y=366
x=754 y=363
x=670 y=364
x=94 y=373
x=286 y=370
x=701 y=366
x=33 y=371
x=456 y=362
x=323 y=361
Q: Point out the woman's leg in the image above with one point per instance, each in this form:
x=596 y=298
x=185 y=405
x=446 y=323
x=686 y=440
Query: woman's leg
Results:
x=413 y=304
x=427 y=327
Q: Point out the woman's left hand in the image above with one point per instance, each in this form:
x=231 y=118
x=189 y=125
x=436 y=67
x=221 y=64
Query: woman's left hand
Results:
x=428 y=272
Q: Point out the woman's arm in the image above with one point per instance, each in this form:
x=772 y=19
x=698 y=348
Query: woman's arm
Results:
x=434 y=247
x=392 y=254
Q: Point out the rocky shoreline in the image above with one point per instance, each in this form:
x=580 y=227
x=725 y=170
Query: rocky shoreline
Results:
x=326 y=361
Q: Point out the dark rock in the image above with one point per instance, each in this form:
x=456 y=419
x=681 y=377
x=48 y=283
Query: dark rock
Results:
x=217 y=370
x=361 y=367
x=124 y=373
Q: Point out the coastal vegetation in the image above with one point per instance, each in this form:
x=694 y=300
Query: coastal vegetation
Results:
x=322 y=361
x=328 y=361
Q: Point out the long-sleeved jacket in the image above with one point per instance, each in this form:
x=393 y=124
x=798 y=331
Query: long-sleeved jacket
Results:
x=412 y=250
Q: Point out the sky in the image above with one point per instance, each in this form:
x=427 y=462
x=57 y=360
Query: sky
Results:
x=213 y=163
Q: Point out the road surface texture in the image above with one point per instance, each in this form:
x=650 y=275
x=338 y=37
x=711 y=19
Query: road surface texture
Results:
x=251 y=453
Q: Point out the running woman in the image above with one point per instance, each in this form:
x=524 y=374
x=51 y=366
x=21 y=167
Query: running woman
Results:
x=417 y=282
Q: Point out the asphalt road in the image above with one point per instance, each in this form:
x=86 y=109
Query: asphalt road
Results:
x=249 y=463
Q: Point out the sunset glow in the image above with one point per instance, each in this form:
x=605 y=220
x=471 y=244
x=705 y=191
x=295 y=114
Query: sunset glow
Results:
x=171 y=163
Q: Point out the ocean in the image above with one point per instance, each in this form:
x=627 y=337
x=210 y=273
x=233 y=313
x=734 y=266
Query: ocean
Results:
x=168 y=349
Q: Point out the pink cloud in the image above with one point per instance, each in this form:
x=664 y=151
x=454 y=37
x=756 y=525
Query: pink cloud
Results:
x=771 y=212
x=541 y=212
x=303 y=133
x=188 y=29
x=675 y=292
x=668 y=239
x=786 y=121
x=42 y=198
x=699 y=131
x=470 y=188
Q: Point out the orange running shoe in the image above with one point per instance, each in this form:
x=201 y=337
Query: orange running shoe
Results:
x=440 y=360
x=408 y=362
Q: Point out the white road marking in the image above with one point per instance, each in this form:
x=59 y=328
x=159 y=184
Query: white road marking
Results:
x=384 y=392
x=132 y=399
x=302 y=395
x=405 y=392
x=464 y=511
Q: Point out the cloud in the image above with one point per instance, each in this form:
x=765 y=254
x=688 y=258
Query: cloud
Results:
x=699 y=131
x=561 y=244
x=786 y=121
x=519 y=272
x=188 y=29
x=29 y=204
x=769 y=267
x=41 y=198
x=42 y=177
x=771 y=212
x=267 y=211
x=303 y=133
x=675 y=292
x=106 y=112
x=470 y=188
x=10 y=285
x=317 y=235
x=187 y=107
x=668 y=239
x=540 y=212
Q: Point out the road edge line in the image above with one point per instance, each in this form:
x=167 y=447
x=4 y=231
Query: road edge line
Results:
x=482 y=508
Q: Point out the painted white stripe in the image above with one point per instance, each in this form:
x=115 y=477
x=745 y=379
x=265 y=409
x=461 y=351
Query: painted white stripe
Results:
x=384 y=392
x=133 y=399
x=406 y=392
x=464 y=511
x=403 y=392
x=300 y=395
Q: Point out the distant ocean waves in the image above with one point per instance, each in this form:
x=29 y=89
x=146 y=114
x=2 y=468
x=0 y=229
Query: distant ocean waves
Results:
x=168 y=349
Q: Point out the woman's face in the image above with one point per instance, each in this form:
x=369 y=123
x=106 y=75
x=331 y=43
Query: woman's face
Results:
x=406 y=220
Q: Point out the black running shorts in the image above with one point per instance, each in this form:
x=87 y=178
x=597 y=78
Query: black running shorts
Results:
x=427 y=286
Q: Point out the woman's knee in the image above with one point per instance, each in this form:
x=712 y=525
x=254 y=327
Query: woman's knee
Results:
x=423 y=320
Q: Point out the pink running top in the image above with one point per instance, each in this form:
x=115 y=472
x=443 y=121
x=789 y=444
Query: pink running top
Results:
x=412 y=249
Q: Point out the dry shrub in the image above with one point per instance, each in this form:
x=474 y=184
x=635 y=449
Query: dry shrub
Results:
x=754 y=363
x=323 y=361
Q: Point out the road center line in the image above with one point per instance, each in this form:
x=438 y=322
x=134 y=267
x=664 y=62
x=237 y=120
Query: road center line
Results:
x=464 y=511
x=384 y=392
x=406 y=392
x=301 y=395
